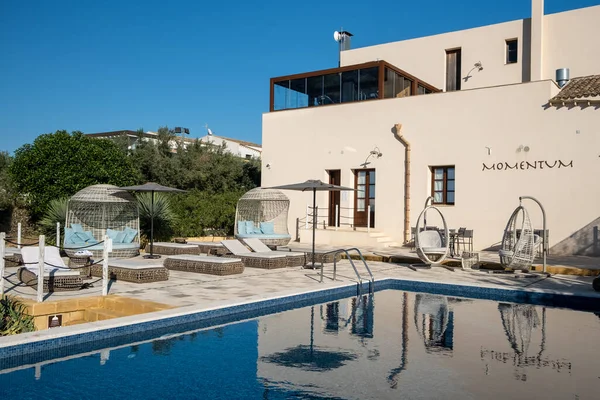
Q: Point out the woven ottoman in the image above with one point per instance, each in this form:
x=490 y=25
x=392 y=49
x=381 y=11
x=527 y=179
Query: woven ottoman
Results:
x=205 y=264
x=125 y=270
x=171 y=249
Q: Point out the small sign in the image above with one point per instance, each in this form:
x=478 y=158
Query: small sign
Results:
x=54 y=321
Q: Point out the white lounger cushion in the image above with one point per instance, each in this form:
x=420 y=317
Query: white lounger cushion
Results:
x=208 y=259
x=258 y=246
x=30 y=256
x=238 y=249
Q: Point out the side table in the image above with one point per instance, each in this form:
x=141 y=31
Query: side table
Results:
x=81 y=263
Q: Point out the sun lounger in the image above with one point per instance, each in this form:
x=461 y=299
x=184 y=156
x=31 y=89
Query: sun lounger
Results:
x=254 y=260
x=294 y=258
x=57 y=276
x=205 y=264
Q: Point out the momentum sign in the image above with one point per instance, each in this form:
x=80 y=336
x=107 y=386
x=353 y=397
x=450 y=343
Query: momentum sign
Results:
x=526 y=165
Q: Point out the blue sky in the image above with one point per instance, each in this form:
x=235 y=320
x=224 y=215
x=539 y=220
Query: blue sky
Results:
x=100 y=66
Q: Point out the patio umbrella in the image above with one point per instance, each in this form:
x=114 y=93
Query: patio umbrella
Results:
x=312 y=185
x=152 y=187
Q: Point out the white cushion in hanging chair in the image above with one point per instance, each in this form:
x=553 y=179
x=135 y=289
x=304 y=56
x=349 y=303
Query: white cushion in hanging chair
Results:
x=506 y=253
x=431 y=242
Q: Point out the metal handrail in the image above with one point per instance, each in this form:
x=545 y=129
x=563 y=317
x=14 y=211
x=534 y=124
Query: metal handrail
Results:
x=346 y=251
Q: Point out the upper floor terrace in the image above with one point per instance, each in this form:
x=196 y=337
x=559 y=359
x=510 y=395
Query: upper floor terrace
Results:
x=361 y=82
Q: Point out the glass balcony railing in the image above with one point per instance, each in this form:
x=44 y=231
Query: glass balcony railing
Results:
x=370 y=81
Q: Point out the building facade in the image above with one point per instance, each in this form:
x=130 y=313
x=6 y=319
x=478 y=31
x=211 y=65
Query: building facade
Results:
x=476 y=120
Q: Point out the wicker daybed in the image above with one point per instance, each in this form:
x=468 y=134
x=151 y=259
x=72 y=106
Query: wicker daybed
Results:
x=205 y=264
x=97 y=211
x=263 y=214
x=172 y=249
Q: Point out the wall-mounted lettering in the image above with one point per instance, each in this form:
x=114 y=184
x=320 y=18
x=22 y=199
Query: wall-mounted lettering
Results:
x=527 y=165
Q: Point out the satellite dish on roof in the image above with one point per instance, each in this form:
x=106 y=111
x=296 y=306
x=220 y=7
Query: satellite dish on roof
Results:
x=337 y=36
x=209 y=131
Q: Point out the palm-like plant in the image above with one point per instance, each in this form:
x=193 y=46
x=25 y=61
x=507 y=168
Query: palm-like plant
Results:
x=13 y=317
x=56 y=212
x=164 y=217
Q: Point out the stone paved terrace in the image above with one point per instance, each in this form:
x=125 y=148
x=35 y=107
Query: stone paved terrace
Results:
x=207 y=291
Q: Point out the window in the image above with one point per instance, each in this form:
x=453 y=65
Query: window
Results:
x=512 y=46
x=442 y=185
x=453 y=69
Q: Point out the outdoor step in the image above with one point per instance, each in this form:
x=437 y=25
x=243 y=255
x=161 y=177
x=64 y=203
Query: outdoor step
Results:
x=100 y=314
x=382 y=239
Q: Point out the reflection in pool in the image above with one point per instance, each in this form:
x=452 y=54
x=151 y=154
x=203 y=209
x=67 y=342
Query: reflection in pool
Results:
x=388 y=345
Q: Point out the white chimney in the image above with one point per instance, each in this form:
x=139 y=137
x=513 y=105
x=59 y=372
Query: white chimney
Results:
x=537 y=40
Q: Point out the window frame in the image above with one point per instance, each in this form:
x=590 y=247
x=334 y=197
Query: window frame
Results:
x=508 y=42
x=444 y=181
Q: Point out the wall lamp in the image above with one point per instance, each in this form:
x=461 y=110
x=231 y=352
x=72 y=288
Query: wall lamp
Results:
x=373 y=153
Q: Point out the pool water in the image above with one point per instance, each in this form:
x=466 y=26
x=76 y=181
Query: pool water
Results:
x=388 y=345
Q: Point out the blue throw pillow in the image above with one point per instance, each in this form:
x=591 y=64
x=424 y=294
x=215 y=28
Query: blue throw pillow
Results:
x=69 y=236
x=77 y=239
x=268 y=228
x=119 y=238
x=111 y=233
x=130 y=234
x=241 y=227
x=90 y=238
x=82 y=236
x=77 y=227
x=250 y=227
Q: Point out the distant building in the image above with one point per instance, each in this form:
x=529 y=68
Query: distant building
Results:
x=239 y=148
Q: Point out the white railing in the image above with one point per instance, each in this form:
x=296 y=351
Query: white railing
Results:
x=343 y=217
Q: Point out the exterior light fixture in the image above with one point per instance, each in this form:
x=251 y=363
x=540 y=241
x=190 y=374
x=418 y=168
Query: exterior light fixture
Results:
x=373 y=153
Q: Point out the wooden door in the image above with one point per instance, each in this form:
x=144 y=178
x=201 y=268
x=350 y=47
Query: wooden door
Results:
x=335 y=178
x=364 y=197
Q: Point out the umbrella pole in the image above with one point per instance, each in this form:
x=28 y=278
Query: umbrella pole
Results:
x=314 y=225
x=152 y=228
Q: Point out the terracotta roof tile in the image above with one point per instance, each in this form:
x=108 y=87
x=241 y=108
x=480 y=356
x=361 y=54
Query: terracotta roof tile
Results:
x=579 y=88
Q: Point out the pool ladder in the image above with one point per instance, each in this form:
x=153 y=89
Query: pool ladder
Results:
x=358 y=276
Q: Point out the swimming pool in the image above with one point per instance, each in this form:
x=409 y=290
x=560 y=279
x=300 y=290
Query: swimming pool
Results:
x=391 y=344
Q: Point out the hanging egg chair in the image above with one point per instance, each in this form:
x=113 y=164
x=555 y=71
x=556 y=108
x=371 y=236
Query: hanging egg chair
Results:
x=519 y=242
x=432 y=246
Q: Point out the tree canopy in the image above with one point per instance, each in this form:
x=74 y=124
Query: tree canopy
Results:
x=57 y=165
x=60 y=164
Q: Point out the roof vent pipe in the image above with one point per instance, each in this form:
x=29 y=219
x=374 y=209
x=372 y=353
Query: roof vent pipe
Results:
x=562 y=77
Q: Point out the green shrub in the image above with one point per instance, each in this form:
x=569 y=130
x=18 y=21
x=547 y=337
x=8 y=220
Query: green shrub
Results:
x=164 y=217
x=56 y=212
x=13 y=319
x=205 y=214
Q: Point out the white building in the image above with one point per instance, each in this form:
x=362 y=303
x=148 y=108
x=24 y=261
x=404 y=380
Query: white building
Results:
x=473 y=118
x=239 y=148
